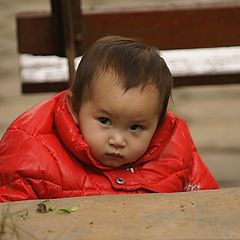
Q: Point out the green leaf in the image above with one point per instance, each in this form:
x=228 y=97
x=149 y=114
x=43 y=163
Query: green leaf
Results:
x=67 y=210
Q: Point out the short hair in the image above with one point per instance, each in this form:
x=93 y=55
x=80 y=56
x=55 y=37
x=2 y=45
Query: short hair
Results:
x=134 y=63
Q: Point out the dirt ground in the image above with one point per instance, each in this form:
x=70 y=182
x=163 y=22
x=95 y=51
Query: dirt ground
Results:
x=213 y=113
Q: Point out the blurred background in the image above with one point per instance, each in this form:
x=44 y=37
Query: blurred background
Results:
x=213 y=113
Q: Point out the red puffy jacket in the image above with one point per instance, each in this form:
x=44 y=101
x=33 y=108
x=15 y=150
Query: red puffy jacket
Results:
x=43 y=155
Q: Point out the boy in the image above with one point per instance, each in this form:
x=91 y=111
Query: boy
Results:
x=110 y=133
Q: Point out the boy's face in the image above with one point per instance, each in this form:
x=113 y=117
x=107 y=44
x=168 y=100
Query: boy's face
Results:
x=118 y=125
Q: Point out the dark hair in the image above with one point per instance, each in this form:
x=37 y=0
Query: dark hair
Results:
x=135 y=63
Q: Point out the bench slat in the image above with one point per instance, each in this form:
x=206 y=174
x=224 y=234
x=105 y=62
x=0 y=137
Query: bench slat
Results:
x=189 y=67
x=165 y=28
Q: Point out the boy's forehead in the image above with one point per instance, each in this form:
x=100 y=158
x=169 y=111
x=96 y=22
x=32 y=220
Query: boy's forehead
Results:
x=107 y=79
x=110 y=79
x=109 y=95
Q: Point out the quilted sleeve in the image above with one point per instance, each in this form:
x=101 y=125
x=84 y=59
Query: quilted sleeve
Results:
x=24 y=166
x=16 y=191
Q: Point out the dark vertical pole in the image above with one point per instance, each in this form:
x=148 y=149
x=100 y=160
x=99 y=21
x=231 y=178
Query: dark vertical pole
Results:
x=69 y=39
x=57 y=27
x=68 y=15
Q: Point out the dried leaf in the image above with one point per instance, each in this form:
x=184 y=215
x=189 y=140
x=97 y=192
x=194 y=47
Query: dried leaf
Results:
x=42 y=207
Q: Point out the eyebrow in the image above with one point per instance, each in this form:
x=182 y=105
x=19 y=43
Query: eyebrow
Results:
x=104 y=111
x=142 y=121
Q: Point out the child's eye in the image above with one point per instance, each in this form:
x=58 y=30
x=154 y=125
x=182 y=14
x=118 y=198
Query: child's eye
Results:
x=136 y=128
x=104 y=121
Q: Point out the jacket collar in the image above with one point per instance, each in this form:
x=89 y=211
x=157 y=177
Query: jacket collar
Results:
x=71 y=136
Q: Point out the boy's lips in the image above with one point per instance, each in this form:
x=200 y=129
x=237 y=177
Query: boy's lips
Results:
x=116 y=155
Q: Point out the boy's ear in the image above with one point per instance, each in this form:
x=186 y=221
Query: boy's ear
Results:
x=70 y=107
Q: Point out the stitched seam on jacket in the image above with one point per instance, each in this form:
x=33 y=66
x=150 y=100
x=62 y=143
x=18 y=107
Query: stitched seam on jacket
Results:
x=66 y=190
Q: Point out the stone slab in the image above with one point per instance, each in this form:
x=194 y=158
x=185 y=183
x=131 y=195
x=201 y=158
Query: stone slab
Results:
x=195 y=215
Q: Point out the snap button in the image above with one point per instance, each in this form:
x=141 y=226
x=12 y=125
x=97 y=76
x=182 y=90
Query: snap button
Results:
x=131 y=169
x=120 y=180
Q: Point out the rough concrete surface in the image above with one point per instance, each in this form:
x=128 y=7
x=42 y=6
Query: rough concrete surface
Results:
x=195 y=215
x=213 y=113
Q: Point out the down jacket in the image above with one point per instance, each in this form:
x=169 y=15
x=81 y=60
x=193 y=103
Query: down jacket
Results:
x=43 y=155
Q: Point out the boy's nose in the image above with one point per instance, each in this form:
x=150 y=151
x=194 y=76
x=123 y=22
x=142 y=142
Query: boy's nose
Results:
x=117 y=141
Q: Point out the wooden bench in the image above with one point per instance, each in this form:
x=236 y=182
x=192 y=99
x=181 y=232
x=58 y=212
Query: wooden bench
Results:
x=68 y=30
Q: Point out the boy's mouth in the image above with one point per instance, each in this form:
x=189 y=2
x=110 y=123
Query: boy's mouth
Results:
x=115 y=155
